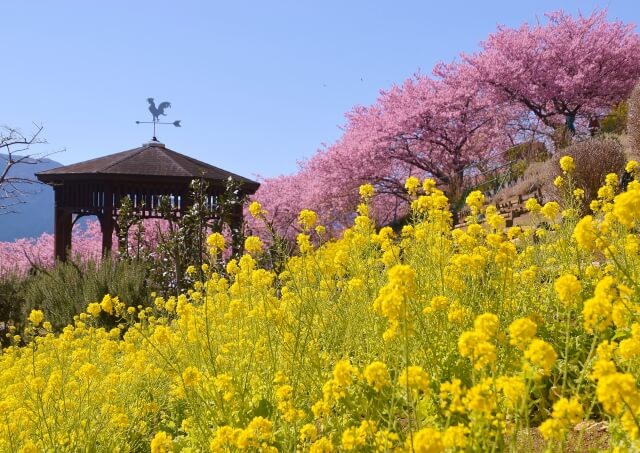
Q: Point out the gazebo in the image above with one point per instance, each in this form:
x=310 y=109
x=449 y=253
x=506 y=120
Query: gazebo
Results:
x=145 y=174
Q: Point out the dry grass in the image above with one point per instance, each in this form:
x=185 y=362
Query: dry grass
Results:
x=633 y=119
x=586 y=436
x=537 y=176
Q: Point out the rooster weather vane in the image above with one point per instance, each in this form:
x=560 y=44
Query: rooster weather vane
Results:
x=156 y=112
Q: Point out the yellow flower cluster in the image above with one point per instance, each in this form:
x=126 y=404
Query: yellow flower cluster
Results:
x=475 y=201
x=412 y=184
x=366 y=191
x=567 y=164
x=256 y=210
x=568 y=289
x=565 y=413
x=521 y=332
x=392 y=298
x=216 y=243
x=307 y=219
x=477 y=344
x=253 y=245
x=541 y=356
x=377 y=375
x=488 y=331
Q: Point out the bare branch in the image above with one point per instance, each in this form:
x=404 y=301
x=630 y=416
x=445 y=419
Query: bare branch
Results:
x=15 y=150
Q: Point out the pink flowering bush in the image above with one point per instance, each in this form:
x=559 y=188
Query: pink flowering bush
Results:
x=22 y=254
x=19 y=256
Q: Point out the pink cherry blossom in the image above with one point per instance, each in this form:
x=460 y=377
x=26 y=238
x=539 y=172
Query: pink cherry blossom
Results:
x=561 y=70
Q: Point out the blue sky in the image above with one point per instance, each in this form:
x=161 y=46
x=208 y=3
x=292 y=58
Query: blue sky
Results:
x=258 y=85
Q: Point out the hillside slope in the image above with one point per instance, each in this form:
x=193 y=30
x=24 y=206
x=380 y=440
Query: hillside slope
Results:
x=34 y=217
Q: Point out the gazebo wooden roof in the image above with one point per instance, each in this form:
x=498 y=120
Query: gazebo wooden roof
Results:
x=144 y=174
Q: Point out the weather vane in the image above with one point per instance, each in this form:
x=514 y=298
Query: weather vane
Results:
x=156 y=112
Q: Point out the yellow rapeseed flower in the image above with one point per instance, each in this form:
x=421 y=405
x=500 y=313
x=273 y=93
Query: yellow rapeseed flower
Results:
x=553 y=429
x=36 y=317
x=585 y=233
x=256 y=210
x=322 y=445
x=304 y=243
x=567 y=164
x=191 y=376
x=344 y=373
x=567 y=289
x=541 y=355
x=307 y=219
x=161 y=443
x=455 y=437
x=521 y=332
x=366 y=191
x=487 y=324
x=550 y=210
x=427 y=440
x=414 y=378
x=618 y=391
x=216 y=242
x=513 y=389
x=570 y=411
x=377 y=375
x=626 y=207
x=253 y=244
x=532 y=205
x=451 y=394
x=308 y=433
x=611 y=179
x=94 y=309
x=475 y=200
x=411 y=184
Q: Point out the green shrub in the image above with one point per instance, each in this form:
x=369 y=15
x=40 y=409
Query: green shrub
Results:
x=615 y=122
x=11 y=304
x=67 y=289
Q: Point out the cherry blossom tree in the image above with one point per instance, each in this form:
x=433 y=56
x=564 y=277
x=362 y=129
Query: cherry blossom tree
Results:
x=444 y=127
x=448 y=127
x=562 y=71
x=283 y=197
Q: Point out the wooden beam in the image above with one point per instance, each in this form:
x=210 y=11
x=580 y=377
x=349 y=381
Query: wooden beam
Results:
x=107 y=222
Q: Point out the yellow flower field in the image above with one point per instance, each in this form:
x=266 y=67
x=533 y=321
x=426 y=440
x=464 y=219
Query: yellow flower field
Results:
x=430 y=339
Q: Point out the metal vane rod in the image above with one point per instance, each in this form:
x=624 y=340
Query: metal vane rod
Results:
x=175 y=123
x=156 y=112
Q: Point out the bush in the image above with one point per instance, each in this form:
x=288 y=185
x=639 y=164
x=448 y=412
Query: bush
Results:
x=67 y=289
x=615 y=122
x=633 y=119
x=11 y=304
x=594 y=158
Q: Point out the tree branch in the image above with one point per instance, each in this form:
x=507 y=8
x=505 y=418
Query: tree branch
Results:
x=15 y=150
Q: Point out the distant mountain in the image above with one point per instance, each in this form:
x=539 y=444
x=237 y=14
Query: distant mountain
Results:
x=34 y=217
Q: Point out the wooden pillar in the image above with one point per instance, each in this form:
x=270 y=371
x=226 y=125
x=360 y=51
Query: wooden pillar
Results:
x=236 y=230
x=62 y=226
x=107 y=222
x=186 y=201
